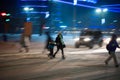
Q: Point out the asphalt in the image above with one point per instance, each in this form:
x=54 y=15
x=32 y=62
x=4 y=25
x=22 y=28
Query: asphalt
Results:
x=35 y=65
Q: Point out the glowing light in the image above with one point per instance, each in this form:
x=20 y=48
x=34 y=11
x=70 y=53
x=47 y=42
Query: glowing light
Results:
x=47 y=15
x=35 y=6
x=63 y=26
x=98 y=10
x=7 y=20
x=105 y=10
x=90 y=1
x=28 y=9
x=103 y=21
x=36 y=12
x=3 y=14
x=28 y=19
x=8 y=14
x=75 y=2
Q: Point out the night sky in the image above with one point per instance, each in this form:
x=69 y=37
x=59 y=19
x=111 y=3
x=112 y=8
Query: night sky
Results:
x=9 y=5
x=13 y=5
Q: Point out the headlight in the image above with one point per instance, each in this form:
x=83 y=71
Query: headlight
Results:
x=87 y=39
x=76 y=39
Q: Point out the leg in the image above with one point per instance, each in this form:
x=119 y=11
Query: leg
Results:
x=56 y=51
x=108 y=59
x=63 y=57
x=51 y=52
x=21 y=49
x=115 y=60
x=26 y=48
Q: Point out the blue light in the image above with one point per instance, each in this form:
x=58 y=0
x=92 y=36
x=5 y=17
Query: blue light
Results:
x=28 y=19
x=35 y=12
x=35 y=6
x=63 y=26
x=33 y=0
x=103 y=21
x=47 y=15
x=90 y=1
x=105 y=10
x=112 y=5
x=76 y=4
x=28 y=9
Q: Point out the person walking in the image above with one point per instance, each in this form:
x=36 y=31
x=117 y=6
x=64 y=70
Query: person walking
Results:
x=24 y=43
x=48 y=39
x=51 y=48
x=111 y=47
x=60 y=45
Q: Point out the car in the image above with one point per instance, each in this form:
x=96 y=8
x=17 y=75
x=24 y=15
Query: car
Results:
x=89 y=38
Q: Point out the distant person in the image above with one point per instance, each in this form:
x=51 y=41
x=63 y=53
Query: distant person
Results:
x=111 y=47
x=60 y=44
x=24 y=43
x=48 y=39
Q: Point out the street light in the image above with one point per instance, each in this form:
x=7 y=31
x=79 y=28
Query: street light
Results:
x=27 y=10
x=101 y=11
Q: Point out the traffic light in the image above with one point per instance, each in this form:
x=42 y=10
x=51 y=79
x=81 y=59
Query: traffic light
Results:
x=5 y=16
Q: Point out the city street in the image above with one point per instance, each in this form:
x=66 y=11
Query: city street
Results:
x=86 y=31
x=80 y=64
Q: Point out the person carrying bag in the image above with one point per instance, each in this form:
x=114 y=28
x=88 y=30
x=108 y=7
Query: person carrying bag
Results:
x=111 y=47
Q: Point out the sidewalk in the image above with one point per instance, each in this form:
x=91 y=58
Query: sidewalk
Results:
x=37 y=66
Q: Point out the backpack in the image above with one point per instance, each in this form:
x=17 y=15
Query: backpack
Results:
x=111 y=46
x=108 y=46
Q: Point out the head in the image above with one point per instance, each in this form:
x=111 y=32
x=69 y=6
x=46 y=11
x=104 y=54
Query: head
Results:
x=59 y=33
x=114 y=36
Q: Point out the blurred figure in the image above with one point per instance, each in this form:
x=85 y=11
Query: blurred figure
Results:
x=111 y=47
x=59 y=44
x=48 y=39
x=24 y=43
x=51 y=48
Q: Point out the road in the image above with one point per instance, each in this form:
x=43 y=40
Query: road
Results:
x=80 y=64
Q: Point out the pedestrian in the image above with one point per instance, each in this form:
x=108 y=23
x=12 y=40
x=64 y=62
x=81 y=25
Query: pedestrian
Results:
x=111 y=47
x=60 y=45
x=24 y=43
x=51 y=48
x=48 y=39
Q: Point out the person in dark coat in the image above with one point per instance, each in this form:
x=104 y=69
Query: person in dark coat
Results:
x=59 y=44
x=48 y=39
x=111 y=50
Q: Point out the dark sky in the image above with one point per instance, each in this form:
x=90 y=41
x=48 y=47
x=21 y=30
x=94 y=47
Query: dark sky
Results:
x=106 y=2
x=8 y=5
x=13 y=6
